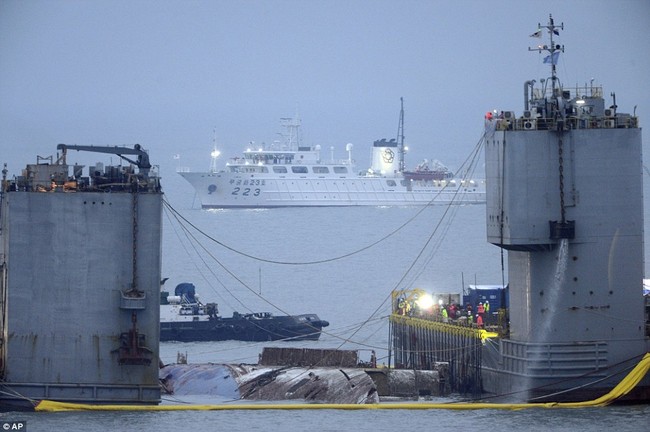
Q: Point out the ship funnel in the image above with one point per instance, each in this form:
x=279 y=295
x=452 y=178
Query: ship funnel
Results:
x=384 y=156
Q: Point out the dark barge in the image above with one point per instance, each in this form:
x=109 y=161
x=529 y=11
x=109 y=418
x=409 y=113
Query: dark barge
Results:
x=184 y=318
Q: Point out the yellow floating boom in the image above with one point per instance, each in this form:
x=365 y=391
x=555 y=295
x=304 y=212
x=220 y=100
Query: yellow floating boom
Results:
x=624 y=387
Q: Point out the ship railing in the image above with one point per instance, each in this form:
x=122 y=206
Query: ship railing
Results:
x=57 y=178
x=492 y=327
x=588 y=91
x=557 y=359
x=338 y=162
x=241 y=161
x=21 y=184
x=620 y=121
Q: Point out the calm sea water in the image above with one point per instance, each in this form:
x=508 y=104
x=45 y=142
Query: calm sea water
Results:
x=256 y=260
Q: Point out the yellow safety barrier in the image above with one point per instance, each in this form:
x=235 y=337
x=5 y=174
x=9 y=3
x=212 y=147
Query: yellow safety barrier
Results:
x=443 y=327
x=624 y=387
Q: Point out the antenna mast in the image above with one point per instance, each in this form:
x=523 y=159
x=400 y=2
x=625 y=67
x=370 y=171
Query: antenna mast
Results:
x=563 y=229
x=400 y=136
x=214 y=154
x=553 y=49
x=292 y=135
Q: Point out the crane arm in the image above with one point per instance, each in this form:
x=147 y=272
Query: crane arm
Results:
x=142 y=161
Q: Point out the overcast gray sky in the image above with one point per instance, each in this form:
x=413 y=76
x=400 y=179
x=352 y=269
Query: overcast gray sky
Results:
x=166 y=73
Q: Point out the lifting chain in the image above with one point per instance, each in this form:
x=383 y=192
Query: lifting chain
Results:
x=561 y=168
x=134 y=201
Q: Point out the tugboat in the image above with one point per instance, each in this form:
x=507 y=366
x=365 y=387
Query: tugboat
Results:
x=184 y=318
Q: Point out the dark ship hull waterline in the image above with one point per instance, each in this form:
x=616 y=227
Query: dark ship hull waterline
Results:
x=185 y=319
x=250 y=327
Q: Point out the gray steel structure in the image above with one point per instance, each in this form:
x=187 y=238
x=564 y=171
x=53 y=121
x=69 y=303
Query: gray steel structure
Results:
x=564 y=198
x=80 y=281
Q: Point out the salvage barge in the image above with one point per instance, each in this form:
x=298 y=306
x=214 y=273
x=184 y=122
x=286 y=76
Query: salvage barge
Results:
x=184 y=318
x=577 y=320
x=79 y=281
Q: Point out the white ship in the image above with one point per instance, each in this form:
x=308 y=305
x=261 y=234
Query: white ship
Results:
x=290 y=175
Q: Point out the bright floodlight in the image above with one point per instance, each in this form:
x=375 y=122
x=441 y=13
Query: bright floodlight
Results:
x=215 y=153
x=425 y=302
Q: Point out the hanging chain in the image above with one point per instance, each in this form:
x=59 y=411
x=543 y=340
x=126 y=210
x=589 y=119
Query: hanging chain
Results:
x=134 y=192
x=561 y=168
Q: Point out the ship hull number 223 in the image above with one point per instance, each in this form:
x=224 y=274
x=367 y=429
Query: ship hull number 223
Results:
x=246 y=191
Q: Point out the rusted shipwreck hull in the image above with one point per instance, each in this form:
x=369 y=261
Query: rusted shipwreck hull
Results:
x=336 y=379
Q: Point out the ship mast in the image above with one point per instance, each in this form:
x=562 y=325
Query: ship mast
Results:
x=214 y=154
x=292 y=139
x=563 y=229
x=553 y=49
x=400 y=137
